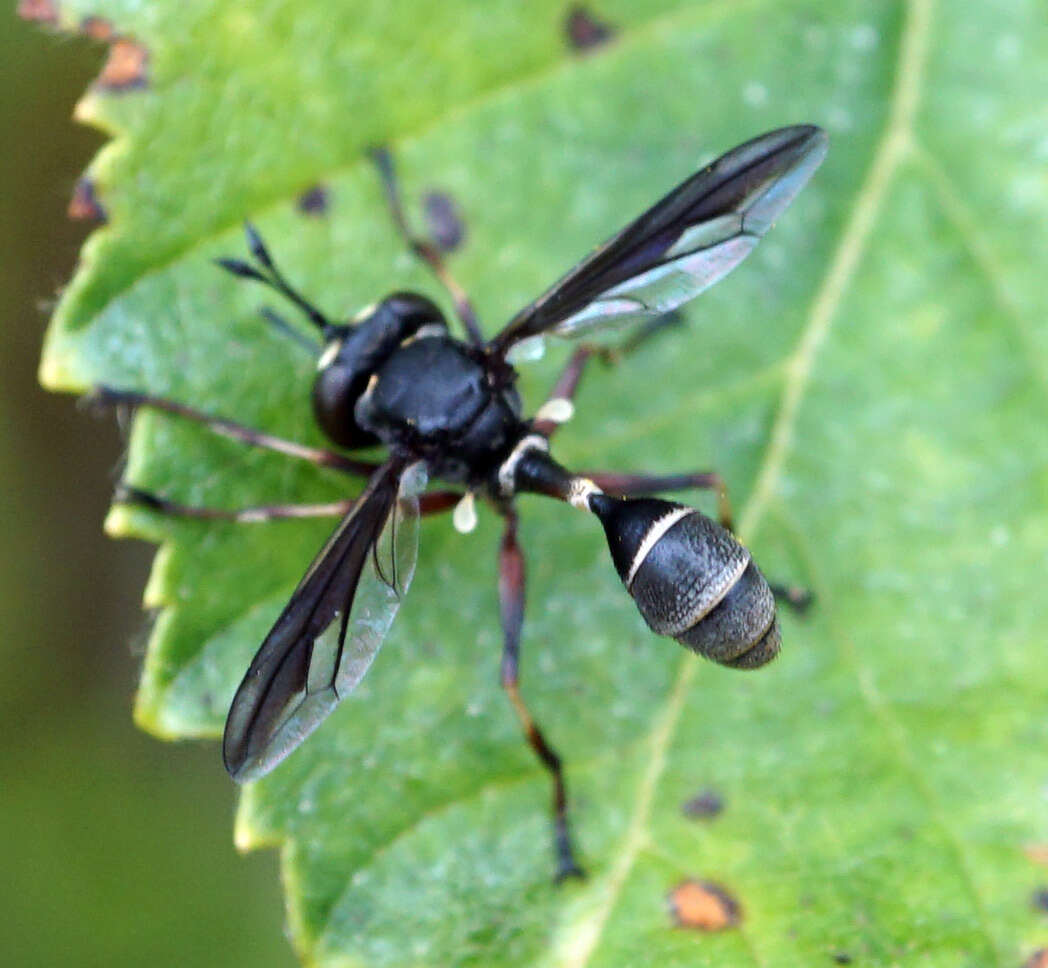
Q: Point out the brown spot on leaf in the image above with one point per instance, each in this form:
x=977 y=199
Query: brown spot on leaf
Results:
x=97 y=28
x=1038 y=853
x=84 y=205
x=126 y=66
x=1039 y=899
x=584 y=30
x=443 y=220
x=313 y=201
x=842 y=958
x=703 y=806
x=704 y=906
x=1039 y=959
x=38 y=11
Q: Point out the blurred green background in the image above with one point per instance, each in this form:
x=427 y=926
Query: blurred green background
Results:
x=117 y=848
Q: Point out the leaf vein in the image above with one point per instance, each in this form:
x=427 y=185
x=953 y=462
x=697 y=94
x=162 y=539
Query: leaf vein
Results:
x=892 y=727
x=960 y=214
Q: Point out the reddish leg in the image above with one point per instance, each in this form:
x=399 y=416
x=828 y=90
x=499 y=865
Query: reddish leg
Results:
x=424 y=248
x=568 y=382
x=566 y=386
x=108 y=396
x=638 y=485
x=511 y=601
x=794 y=596
x=433 y=503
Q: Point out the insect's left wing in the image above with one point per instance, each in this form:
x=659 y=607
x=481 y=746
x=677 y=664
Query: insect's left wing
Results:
x=682 y=245
x=331 y=629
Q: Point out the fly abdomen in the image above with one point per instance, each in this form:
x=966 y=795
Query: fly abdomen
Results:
x=691 y=579
x=744 y=618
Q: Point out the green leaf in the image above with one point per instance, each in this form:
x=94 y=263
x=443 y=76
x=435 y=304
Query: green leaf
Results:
x=872 y=384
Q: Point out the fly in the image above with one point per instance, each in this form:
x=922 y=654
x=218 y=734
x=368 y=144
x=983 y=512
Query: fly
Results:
x=447 y=408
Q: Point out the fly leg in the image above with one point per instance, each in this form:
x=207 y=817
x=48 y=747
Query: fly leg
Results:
x=511 y=602
x=554 y=412
x=796 y=597
x=110 y=397
x=432 y=503
x=638 y=485
x=644 y=332
x=424 y=248
x=561 y=397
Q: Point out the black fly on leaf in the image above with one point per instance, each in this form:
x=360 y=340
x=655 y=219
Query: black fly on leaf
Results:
x=447 y=409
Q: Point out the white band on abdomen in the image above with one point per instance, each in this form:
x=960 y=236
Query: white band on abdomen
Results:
x=508 y=470
x=652 y=538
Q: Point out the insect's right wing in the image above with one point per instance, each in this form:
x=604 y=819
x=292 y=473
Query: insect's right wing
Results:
x=682 y=245
x=323 y=642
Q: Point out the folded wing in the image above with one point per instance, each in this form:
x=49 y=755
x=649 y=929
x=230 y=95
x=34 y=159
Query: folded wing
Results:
x=325 y=639
x=682 y=245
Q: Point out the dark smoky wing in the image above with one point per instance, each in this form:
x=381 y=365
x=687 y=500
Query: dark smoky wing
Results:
x=324 y=640
x=687 y=241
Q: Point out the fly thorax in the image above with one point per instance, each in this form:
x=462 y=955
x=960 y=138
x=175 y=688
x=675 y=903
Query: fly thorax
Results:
x=354 y=352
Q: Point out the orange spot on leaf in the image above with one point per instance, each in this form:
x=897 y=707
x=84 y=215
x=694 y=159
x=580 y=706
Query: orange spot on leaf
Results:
x=704 y=906
x=1038 y=853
